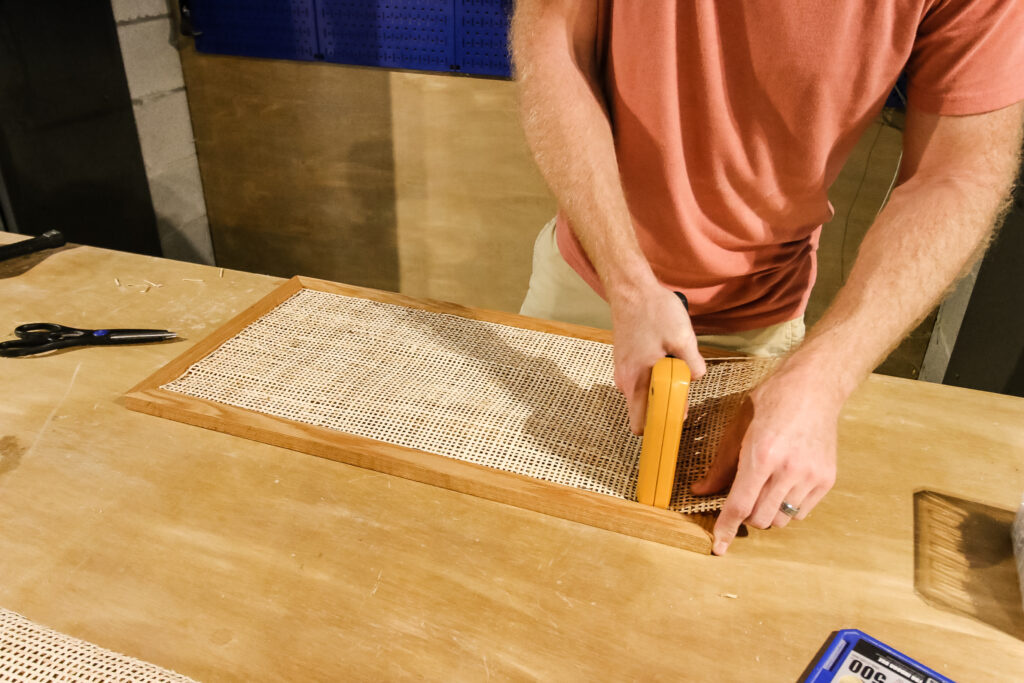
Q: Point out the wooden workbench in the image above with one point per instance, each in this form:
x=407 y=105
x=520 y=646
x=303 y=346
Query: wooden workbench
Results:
x=225 y=559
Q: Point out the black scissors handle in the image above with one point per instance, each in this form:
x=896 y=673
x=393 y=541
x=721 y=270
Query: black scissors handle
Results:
x=30 y=330
x=36 y=338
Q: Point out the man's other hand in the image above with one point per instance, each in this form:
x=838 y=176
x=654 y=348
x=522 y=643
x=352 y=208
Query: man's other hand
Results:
x=647 y=326
x=781 y=446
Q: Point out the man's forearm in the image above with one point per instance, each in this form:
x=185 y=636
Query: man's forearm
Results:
x=782 y=449
x=568 y=130
x=933 y=228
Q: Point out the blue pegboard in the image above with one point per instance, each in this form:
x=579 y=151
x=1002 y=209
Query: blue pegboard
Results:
x=481 y=36
x=399 y=34
x=461 y=36
x=280 y=29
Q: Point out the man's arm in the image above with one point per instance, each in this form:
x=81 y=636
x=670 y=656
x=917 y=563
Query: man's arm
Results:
x=955 y=183
x=567 y=127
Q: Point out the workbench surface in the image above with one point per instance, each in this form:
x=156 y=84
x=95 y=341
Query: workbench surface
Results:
x=225 y=559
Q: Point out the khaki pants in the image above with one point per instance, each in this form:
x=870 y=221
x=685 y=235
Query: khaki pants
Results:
x=557 y=292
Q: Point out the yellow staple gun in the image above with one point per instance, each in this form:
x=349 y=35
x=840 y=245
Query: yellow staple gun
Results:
x=666 y=406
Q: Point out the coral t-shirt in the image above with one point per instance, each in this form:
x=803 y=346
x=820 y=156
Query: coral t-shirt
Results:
x=732 y=118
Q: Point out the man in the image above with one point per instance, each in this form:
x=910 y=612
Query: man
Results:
x=690 y=145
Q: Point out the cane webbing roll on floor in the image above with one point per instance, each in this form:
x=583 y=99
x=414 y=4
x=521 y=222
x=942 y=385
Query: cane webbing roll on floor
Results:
x=30 y=652
x=533 y=403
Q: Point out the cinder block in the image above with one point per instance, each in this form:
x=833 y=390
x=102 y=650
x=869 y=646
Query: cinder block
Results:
x=189 y=242
x=165 y=131
x=151 y=62
x=129 y=10
x=177 y=192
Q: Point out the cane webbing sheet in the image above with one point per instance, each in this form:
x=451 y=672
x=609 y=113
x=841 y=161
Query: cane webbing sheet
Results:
x=538 y=404
x=30 y=652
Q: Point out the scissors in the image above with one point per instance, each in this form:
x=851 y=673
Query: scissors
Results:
x=36 y=338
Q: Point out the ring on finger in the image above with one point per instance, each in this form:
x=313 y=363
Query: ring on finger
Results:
x=789 y=510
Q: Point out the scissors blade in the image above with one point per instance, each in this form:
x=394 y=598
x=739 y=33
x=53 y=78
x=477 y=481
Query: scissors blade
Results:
x=132 y=336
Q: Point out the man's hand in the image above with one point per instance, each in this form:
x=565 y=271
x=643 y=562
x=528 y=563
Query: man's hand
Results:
x=647 y=327
x=781 y=446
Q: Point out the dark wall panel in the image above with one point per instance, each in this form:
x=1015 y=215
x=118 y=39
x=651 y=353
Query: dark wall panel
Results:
x=989 y=351
x=69 y=150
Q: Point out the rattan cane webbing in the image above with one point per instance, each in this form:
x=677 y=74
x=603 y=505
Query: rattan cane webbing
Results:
x=30 y=652
x=538 y=404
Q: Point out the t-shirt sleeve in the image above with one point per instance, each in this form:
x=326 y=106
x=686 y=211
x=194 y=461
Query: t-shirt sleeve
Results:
x=968 y=57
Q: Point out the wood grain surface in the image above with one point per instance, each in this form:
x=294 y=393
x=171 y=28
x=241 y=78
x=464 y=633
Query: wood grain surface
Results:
x=298 y=166
x=225 y=559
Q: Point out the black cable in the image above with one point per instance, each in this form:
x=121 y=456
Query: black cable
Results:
x=846 y=222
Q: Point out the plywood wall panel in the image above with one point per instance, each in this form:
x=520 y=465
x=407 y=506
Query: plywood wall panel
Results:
x=470 y=200
x=298 y=166
x=411 y=182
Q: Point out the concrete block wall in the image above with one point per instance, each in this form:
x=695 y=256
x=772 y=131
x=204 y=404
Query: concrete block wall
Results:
x=153 y=67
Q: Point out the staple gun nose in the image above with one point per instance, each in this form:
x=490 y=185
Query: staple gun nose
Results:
x=666 y=406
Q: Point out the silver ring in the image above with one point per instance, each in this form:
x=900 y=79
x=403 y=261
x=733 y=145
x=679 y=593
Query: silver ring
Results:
x=787 y=509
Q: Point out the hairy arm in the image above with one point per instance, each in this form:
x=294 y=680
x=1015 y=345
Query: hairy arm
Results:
x=567 y=126
x=955 y=183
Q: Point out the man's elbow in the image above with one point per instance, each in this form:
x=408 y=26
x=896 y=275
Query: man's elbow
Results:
x=552 y=39
x=978 y=154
